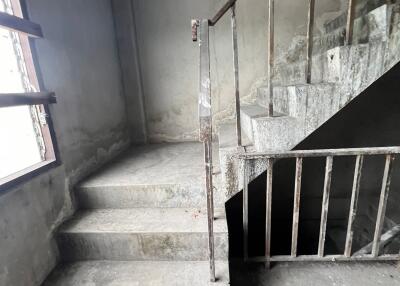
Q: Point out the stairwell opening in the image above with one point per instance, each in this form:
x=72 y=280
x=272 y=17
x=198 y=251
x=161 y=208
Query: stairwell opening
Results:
x=370 y=120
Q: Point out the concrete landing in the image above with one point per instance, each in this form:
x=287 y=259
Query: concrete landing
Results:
x=317 y=274
x=107 y=273
x=155 y=175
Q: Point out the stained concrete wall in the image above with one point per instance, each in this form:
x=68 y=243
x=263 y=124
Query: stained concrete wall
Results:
x=169 y=60
x=79 y=61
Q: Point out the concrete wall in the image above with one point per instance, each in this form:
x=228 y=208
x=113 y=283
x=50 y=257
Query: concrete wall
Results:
x=169 y=60
x=79 y=61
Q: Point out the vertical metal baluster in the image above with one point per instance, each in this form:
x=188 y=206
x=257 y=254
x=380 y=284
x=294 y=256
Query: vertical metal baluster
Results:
x=387 y=174
x=310 y=29
x=270 y=57
x=206 y=133
x=245 y=210
x=236 y=75
x=270 y=166
x=325 y=205
x=296 y=205
x=350 y=21
x=353 y=204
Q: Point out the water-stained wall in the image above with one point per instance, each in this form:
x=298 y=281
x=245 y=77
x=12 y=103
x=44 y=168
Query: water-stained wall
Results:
x=168 y=60
x=79 y=61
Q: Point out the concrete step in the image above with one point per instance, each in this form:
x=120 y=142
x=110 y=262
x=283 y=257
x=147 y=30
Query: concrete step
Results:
x=156 y=175
x=128 y=273
x=362 y=9
x=372 y=28
x=142 y=234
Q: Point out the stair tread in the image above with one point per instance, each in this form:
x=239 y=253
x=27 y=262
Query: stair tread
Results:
x=144 y=220
x=256 y=110
x=227 y=136
x=124 y=273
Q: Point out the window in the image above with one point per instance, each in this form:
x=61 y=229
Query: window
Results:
x=26 y=137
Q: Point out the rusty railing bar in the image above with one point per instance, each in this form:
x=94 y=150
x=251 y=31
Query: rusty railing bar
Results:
x=270 y=66
x=268 y=212
x=350 y=21
x=310 y=29
x=30 y=98
x=236 y=75
x=322 y=153
x=296 y=205
x=17 y=24
x=382 y=204
x=206 y=134
x=332 y=258
x=325 y=205
x=245 y=210
x=221 y=12
x=353 y=204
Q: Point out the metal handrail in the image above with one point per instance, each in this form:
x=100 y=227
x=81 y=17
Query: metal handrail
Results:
x=329 y=154
x=321 y=153
x=200 y=32
x=221 y=12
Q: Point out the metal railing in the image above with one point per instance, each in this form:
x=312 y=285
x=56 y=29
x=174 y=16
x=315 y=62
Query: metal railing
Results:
x=200 y=33
x=329 y=154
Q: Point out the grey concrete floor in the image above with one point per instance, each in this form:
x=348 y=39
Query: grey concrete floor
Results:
x=121 y=273
x=316 y=274
x=136 y=273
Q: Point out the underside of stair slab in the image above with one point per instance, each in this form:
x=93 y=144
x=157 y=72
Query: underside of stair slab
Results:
x=129 y=273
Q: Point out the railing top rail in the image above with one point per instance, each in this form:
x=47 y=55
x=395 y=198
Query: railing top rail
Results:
x=221 y=12
x=321 y=153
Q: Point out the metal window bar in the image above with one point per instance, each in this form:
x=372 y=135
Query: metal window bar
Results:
x=20 y=25
x=329 y=154
x=17 y=24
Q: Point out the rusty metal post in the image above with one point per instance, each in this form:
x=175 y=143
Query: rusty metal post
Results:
x=310 y=29
x=268 y=212
x=236 y=75
x=353 y=204
x=325 y=205
x=296 y=205
x=350 y=21
x=270 y=108
x=206 y=131
x=387 y=175
x=245 y=210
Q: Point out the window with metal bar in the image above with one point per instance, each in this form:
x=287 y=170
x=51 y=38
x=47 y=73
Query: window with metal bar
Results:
x=26 y=144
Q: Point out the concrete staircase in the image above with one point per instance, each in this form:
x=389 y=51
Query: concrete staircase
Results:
x=142 y=221
x=339 y=74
